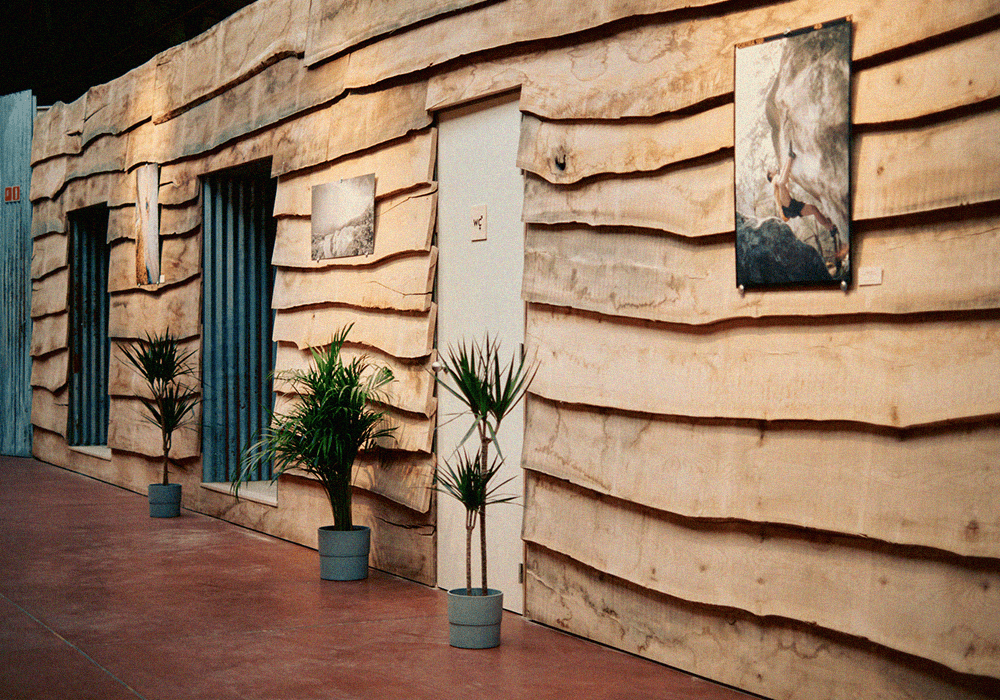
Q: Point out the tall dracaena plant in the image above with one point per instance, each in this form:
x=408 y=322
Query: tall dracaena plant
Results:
x=162 y=365
x=331 y=421
x=474 y=374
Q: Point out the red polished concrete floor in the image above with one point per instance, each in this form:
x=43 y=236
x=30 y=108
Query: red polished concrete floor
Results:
x=99 y=601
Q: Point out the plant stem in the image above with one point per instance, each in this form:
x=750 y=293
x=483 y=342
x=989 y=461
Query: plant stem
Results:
x=470 y=525
x=166 y=455
x=482 y=508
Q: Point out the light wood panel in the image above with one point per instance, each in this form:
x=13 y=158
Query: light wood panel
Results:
x=400 y=335
x=57 y=130
x=179 y=220
x=944 y=265
x=399 y=165
x=105 y=154
x=121 y=224
x=404 y=223
x=48 y=254
x=47 y=217
x=147 y=224
x=402 y=477
x=50 y=372
x=871 y=371
x=49 y=410
x=129 y=429
x=927 y=607
x=117 y=106
x=176 y=308
x=181 y=261
x=335 y=26
x=412 y=390
x=567 y=152
x=940 y=489
x=696 y=200
x=766 y=656
x=49 y=333
x=179 y=183
x=403 y=283
x=48 y=295
x=124 y=380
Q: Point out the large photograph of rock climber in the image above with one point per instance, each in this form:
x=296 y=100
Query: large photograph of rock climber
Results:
x=792 y=143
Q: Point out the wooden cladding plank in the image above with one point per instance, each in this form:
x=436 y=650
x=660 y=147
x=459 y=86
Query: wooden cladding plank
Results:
x=414 y=433
x=769 y=657
x=932 y=266
x=57 y=130
x=922 y=606
x=49 y=372
x=940 y=166
x=48 y=295
x=47 y=217
x=179 y=220
x=105 y=154
x=335 y=26
x=950 y=76
x=940 y=489
x=412 y=390
x=817 y=371
x=663 y=67
x=402 y=477
x=181 y=261
x=124 y=381
x=49 y=333
x=48 y=178
x=404 y=284
x=129 y=429
x=564 y=153
x=398 y=165
x=175 y=308
x=404 y=223
x=114 y=189
x=401 y=335
x=49 y=410
x=48 y=254
x=489 y=27
x=117 y=106
x=228 y=53
x=404 y=542
x=147 y=224
x=692 y=201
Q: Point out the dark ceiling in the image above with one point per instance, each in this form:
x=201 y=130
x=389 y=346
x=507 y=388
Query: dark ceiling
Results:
x=59 y=48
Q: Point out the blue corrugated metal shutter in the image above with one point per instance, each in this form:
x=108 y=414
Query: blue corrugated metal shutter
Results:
x=237 y=351
x=90 y=348
x=17 y=112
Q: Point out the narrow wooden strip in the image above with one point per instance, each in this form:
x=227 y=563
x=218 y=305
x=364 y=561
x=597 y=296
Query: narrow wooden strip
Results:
x=175 y=308
x=49 y=372
x=947 y=77
x=404 y=224
x=403 y=284
x=48 y=295
x=692 y=201
x=48 y=254
x=399 y=165
x=768 y=657
x=130 y=429
x=49 y=334
x=412 y=390
x=820 y=371
x=941 y=489
x=335 y=26
x=564 y=153
x=925 y=607
x=400 y=335
x=147 y=224
x=927 y=267
x=940 y=166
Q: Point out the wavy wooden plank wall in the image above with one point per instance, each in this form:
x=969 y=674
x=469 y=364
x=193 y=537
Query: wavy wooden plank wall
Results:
x=795 y=492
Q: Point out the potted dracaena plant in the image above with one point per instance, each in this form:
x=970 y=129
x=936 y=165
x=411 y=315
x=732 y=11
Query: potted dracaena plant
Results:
x=321 y=434
x=169 y=403
x=473 y=374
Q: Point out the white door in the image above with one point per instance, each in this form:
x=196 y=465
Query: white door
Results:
x=479 y=292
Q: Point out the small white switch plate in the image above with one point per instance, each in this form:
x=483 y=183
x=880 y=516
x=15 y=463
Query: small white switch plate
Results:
x=869 y=276
x=478 y=219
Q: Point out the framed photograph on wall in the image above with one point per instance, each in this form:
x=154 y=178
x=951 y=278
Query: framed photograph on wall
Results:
x=793 y=145
x=343 y=218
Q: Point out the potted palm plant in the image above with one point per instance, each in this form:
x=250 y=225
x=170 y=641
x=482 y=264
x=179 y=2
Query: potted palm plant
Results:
x=170 y=404
x=473 y=374
x=321 y=435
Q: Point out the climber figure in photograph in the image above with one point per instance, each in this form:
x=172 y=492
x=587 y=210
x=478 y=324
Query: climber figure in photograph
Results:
x=792 y=129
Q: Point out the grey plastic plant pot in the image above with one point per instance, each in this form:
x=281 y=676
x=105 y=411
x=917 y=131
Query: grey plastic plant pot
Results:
x=343 y=554
x=474 y=620
x=164 y=500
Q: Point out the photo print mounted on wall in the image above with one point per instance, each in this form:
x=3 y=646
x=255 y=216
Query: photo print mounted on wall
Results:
x=793 y=144
x=343 y=218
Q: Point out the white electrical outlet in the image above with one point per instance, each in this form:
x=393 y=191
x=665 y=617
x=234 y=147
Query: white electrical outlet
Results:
x=478 y=219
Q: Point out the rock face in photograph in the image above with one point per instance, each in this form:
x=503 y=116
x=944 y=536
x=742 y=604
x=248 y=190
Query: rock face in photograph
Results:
x=808 y=108
x=767 y=252
x=343 y=218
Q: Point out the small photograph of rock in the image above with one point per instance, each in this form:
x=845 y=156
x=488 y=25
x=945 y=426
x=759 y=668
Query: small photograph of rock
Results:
x=793 y=136
x=343 y=218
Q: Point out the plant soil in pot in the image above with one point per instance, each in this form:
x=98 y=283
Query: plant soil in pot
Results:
x=474 y=619
x=343 y=554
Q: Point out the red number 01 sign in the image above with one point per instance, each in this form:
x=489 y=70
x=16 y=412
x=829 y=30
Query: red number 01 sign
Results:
x=12 y=194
